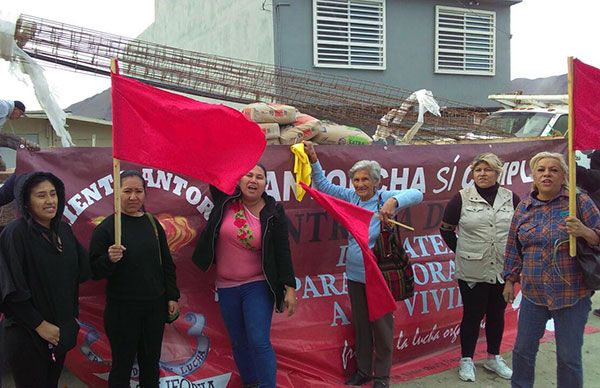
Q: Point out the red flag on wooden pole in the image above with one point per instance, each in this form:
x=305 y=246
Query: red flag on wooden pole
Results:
x=210 y=142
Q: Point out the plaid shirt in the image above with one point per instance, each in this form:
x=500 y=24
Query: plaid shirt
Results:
x=548 y=275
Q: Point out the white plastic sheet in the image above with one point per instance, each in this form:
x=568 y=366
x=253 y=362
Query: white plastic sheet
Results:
x=22 y=64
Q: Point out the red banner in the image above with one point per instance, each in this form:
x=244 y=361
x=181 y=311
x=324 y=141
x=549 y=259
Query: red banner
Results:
x=315 y=346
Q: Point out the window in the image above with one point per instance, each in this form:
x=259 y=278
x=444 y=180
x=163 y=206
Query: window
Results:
x=562 y=124
x=465 y=41
x=349 y=34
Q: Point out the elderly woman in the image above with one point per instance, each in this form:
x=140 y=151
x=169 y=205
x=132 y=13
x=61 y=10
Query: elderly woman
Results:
x=482 y=212
x=552 y=286
x=247 y=237
x=372 y=338
x=141 y=288
x=41 y=266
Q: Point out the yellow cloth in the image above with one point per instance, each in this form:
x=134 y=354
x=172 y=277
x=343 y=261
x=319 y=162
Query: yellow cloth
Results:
x=302 y=169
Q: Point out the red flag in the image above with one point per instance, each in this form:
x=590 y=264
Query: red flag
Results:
x=356 y=220
x=586 y=106
x=210 y=142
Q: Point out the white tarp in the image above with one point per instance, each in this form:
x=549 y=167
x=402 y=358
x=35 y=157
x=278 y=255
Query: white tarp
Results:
x=22 y=64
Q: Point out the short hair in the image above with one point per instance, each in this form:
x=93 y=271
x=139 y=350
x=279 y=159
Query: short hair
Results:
x=551 y=155
x=131 y=173
x=491 y=160
x=373 y=167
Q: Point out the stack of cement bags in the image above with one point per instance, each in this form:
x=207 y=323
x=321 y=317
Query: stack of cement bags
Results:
x=284 y=124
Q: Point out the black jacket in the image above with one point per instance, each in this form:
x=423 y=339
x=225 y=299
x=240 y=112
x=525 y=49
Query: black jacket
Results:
x=38 y=279
x=146 y=271
x=276 y=254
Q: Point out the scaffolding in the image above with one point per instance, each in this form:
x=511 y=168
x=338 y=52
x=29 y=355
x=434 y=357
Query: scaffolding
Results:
x=325 y=96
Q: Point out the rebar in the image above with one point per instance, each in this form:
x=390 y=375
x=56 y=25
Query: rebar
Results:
x=330 y=97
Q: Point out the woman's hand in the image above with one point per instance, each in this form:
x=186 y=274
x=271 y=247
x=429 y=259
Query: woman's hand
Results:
x=576 y=228
x=509 y=291
x=388 y=210
x=310 y=151
x=115 y=253
x=290 y=301
x=173 y=307
x=49 y=332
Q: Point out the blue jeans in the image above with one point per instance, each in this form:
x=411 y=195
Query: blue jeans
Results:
x=247 y=311
x=569 y=324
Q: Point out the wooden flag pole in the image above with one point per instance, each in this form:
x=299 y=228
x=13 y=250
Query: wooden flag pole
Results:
x=572 y=167
x=114 y=68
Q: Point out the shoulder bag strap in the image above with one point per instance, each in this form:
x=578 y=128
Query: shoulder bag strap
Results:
x=153 y=222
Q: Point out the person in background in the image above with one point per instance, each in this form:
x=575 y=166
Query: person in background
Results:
x=374 y=340
x=552 y=285
x=247 y=237
x=482 y=213
x=589 y=180
x=141 y=287
x=11 y=110
x=41 y=266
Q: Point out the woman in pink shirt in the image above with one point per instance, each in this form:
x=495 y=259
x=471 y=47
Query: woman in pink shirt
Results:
x=247 y=236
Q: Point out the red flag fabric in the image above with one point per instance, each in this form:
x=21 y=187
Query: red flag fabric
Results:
x=586 y=106
x=356 y=220
x=210 y=142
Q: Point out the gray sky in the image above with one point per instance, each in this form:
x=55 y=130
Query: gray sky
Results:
x=544 y=33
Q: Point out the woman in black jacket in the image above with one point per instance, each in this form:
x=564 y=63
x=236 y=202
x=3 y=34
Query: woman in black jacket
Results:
x=247 y=236
x=41 y=266
x=141 y=291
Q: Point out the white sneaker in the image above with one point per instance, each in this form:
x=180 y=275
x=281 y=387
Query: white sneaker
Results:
x=466 y=371
x=498 y=365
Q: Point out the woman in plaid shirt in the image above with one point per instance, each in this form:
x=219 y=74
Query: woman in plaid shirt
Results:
x=537 y=256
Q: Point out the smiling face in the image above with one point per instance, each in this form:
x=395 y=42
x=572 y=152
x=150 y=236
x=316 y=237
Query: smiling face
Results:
x=253 y=184
x=548 y=178
x=484 y=176
x=132 y=195
x=43 y=203
x=364 y=185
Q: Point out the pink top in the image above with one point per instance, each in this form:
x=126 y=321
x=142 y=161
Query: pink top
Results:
x=236 y=264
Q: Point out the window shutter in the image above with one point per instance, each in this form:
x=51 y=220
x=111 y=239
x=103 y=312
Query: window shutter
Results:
x=465 y=41
x=349 y=34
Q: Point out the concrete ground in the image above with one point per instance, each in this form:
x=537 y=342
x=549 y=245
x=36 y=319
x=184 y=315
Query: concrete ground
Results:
x=545 y=376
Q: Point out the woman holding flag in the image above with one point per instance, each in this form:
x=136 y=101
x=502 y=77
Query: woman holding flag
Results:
x=376 y=336
x=552 y=285
x=247 y=237
x=141 y=287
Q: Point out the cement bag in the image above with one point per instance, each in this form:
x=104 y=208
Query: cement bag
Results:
x=341 y=134
x=271 y=130
x=304 y=128
x=261 y=112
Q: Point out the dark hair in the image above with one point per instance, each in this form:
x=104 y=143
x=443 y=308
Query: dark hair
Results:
x=131 y=173
x=595 y=160
x=19 y=105
x=263 y=168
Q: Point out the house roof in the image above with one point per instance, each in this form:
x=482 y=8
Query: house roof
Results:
x=41 y=115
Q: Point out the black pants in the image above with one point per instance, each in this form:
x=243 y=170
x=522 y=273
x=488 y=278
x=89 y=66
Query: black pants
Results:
x=29 y=359
x=135 y=328
x=484 y=299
